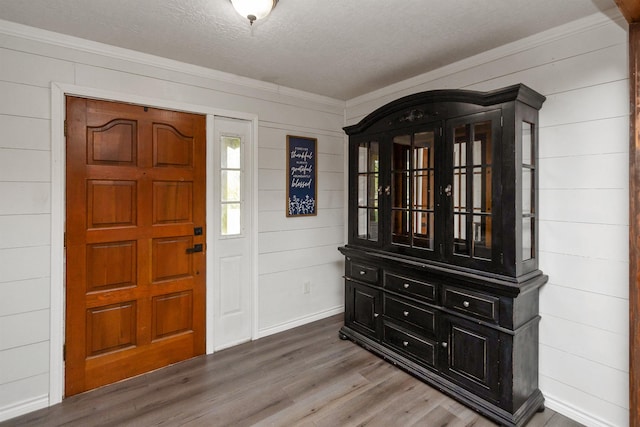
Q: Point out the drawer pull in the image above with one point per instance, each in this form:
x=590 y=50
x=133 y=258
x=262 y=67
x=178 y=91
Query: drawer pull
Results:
x=406 y=313
x=405 y=343
x=406 y=286
x=444 y=344
x=466 y=304
x=375 y=315
x=362 y=272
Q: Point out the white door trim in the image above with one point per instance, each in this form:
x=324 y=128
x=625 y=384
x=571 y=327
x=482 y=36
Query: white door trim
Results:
x=58 y=146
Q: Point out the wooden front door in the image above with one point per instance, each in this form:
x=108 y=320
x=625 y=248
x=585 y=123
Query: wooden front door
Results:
x=135 y=237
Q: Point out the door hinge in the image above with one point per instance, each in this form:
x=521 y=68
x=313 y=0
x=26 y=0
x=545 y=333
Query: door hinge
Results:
x=501 y=258
x=501 y=121
x=64 y=240
x=64 y=352
x=65 y=128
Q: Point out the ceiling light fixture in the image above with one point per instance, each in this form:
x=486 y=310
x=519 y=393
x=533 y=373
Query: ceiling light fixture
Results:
x=254 y=9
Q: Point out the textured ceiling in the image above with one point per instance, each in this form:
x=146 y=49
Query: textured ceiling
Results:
x=337 y=48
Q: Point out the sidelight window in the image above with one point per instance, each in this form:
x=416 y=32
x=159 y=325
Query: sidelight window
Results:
x=231 y=185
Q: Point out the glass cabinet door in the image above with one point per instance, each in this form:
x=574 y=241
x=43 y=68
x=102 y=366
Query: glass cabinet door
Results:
x=368 y=190
x=471 y=187
x=413 y=190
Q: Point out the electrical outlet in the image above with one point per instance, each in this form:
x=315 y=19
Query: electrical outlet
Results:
x=307 y=287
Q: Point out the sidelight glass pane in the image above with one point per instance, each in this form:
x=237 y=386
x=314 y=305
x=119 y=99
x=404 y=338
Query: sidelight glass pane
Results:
x=230 y=186
x=230 y=152
x=230 y=219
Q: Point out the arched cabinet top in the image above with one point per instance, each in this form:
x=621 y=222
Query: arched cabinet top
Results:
x=435 y=104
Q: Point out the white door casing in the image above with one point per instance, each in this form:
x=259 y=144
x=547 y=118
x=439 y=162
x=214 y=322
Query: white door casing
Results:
x=58 y=146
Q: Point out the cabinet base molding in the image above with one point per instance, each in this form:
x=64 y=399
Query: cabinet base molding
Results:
x=534 y=403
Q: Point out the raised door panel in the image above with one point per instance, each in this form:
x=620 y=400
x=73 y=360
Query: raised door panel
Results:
x=111 y=328
x=171 y=148
x=472 y=356
x=111 y=203
x=363 y=309
x=111 y=265
x=113 y=143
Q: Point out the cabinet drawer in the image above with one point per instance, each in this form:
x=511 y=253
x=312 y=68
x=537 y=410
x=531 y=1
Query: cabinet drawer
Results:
x=422 y=318
x=414 y=345
x=363 y=272
x=410 y=287
x=473 y=303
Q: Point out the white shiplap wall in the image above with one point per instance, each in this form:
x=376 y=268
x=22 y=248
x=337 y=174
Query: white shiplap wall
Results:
x=582 y=69
x=290 y=251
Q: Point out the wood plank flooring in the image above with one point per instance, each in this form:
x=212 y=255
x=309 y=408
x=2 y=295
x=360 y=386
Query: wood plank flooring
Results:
x=305 y=376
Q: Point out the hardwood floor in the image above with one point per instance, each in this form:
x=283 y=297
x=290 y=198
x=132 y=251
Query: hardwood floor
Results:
x=302 y=377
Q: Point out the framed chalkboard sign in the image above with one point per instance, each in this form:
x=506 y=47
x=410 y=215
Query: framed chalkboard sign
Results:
x=302 y=194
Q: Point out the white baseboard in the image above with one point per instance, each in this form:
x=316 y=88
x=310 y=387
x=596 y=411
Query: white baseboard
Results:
x=231 y=344
x=24 y=407
x=299 y=322
x=575 y=414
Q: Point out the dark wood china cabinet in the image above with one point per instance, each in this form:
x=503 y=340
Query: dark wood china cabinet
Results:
x=441 y=269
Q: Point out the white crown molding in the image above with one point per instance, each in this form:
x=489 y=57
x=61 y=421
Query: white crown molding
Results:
x=44 y=36
x=574 y=27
